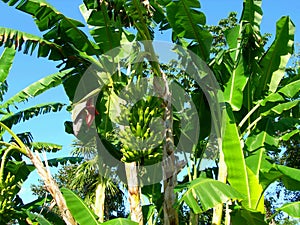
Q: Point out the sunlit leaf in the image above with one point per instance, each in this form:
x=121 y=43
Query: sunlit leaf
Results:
x=37 y=88
x=79 y=210
x=240 y=176
x=292 y=209
x=120 y=221
x=274 y=62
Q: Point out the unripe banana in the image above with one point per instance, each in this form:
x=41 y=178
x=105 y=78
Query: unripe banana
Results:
x=138 y=130
x=141 y=115
x=146 y=112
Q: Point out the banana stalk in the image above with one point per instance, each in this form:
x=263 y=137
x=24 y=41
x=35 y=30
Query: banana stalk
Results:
x=134 y=193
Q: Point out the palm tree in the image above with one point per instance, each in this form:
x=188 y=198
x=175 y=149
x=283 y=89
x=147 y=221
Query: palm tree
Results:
x=88 y=178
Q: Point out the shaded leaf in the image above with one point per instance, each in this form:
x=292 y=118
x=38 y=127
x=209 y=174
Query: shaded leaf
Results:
x=187 y=22
x=64 y=160
x=148 y=212
x=209 y=193
x=39 y=218
x=247 y=217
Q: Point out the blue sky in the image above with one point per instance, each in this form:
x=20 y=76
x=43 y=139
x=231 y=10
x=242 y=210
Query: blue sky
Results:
x=27 y=69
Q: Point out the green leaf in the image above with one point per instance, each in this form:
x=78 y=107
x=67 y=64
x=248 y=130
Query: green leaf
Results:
x=38 y=88
x=209 y=193
x=6 y=61
x=288 y=135
x=79 y=210
x=113 y=106
x=274 y=62
x=280 y=108
x=233 y=93
x=291 y=89
x=106 y=32
x=263 y=136
x=148 y=212
x=292 y=209
x=257 y=161
x=20 y=169
x=39 y=218
x=290 y=178
x=26 y=114
x=187 y=22
x=64 y=160
x=244 y=48
x=18 y=40
x=240 y=176
x=43 y=146
x=252 y=13
x=120 y=221
x=153 y=193
x=60 y=26
x=247 y=217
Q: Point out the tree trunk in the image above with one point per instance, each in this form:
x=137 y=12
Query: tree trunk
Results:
x=52 y=187
x=100 y=200
x=134 y=194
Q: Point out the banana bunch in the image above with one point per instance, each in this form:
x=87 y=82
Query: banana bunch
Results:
x=7 y=194
x=144 y=135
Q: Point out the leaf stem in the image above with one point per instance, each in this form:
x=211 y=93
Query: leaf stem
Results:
x=22 y=147
x=249 y=114
x=253 y=124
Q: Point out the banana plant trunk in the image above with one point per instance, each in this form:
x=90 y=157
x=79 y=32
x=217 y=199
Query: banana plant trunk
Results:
x=222 y=177
x=100 y=200
x=169 y=160
x=194 y=218
x=134 y=192
x=52 y=187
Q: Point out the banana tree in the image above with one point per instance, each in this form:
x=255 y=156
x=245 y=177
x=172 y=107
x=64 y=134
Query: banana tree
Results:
x=14 y=170
x=251 y=77
x=258 y=107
